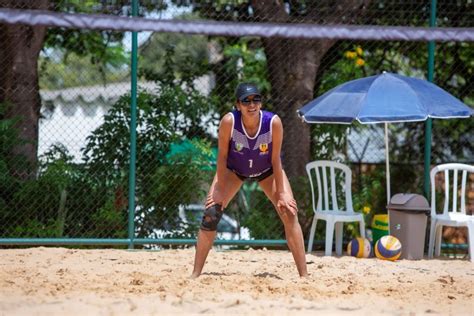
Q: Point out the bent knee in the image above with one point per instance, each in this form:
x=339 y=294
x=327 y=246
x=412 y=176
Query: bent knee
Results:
x=287 y=217
x=211 y=217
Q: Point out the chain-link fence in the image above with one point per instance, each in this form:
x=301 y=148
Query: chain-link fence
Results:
x=65 y=114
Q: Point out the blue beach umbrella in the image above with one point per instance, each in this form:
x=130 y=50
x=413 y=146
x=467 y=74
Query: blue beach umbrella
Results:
x=384 y=98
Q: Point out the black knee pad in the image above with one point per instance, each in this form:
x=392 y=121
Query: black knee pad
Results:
x=212 y=216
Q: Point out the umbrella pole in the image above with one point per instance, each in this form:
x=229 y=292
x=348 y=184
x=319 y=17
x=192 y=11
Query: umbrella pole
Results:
x=387 y=164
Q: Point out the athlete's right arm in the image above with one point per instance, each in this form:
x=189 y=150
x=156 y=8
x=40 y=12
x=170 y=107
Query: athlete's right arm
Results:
x=225 y=131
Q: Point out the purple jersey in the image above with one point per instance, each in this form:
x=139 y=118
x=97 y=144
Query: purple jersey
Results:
x=251 y=156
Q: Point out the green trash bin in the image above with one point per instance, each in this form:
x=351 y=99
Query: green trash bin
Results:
x=380 y=227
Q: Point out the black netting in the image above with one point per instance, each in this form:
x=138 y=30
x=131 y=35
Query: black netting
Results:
x=65 y=114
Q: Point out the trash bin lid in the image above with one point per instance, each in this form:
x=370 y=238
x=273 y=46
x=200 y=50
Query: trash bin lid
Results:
x=409 y=202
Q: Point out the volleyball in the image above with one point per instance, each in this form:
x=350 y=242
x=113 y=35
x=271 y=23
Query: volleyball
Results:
x=388 y=248
x=359 y=247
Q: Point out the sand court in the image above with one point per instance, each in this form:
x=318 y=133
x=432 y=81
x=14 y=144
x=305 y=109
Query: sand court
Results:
x=61 y=281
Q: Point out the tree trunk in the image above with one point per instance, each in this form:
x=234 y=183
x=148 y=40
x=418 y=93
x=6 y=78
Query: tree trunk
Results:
x=292 y=67
x=19 y=90
x=293 y=73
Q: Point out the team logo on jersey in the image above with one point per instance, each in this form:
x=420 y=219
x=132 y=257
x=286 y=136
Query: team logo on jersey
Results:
x=263 y=148
x=239 y=146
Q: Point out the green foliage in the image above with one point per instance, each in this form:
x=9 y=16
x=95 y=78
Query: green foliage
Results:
x=115 y=7
x=90 y=200
x=171 y=55
x=262 y=221
x=451 y=140
x=453 y=72
x=8 y=135
x=166 y=188
x=349 y=64
x=244 y=61
x=370 y=198
x=9 y=184
x=56 y=167
x=53 y=204
x=35 y=229
x=65 y=71
x=41 y=202
x=173 y=114
x=162 y=119
x=248 y=62
x=67 y=52
x=108 y=222
x=329 y=140
x=9 y=138
x=197 y=151
x=107 y=151
x=302 y=192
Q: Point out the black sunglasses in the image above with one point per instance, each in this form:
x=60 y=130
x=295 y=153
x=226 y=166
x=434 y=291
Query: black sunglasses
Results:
x=256 y=100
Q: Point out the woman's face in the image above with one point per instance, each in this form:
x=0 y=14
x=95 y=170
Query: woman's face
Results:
x=250 y=105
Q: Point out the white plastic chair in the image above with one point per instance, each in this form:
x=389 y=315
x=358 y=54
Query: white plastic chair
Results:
x=327 y=208
x=454 y=215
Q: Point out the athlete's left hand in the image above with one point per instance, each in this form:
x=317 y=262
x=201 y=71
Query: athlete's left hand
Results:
x=287 y=203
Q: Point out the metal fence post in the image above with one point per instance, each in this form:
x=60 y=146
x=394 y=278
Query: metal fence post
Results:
x=133 y=134
x=428 y=123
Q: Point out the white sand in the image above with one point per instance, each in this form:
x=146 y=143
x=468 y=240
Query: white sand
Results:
x=59 y=281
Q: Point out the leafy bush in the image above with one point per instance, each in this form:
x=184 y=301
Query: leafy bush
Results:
x=163 y=182
x=90 y=200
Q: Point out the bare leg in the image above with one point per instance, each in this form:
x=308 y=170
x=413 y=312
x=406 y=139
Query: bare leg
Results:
x=203 y=246
x=205 y=238
x=293 y=233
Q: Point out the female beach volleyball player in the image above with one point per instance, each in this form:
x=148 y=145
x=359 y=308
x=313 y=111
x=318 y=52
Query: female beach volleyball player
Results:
x=249 y=147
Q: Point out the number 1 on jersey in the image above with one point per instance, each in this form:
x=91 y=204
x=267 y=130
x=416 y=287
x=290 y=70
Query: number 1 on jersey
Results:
x=250 y=163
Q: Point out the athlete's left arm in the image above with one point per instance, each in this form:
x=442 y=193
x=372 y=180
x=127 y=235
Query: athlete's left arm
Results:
x=285 y=197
